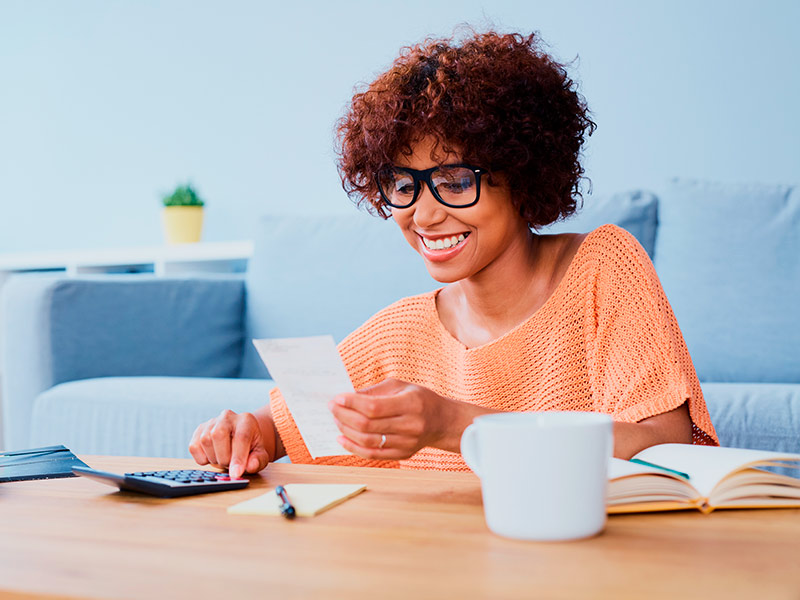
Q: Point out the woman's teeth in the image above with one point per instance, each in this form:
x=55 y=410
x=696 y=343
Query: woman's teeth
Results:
x=443 y=243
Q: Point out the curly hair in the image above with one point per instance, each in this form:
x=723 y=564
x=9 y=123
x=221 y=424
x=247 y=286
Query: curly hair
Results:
x=500 y=100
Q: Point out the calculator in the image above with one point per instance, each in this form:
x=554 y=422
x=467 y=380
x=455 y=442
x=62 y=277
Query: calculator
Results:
x=166 y=484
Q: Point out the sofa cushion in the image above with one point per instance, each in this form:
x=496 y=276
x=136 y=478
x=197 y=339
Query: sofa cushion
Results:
x=634 y=211
x=140 y=325
x=729 y=259
x=761 y=416
x=138 y=416
x=325 y=274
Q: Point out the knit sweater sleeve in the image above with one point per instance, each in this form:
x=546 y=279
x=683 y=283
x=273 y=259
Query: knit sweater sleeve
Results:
x=638 y=362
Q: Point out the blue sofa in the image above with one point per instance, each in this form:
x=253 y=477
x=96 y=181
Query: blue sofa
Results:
x=129 y=365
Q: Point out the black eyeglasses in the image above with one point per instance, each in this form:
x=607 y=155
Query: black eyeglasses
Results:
x=456 y=186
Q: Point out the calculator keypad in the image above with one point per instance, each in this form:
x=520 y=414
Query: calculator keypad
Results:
x=187 y=476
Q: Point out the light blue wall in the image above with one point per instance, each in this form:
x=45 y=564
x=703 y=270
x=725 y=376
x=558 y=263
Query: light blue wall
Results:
x=104 y=105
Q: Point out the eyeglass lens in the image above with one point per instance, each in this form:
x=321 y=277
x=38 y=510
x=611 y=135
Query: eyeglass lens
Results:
x=456 y=186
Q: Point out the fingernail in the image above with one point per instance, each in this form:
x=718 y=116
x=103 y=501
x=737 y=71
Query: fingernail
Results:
x=233 y=470
x=339 y=400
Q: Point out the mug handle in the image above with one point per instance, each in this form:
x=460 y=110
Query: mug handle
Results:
x=469 y=448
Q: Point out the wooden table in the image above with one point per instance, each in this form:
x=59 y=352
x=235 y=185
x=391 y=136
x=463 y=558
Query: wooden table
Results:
x=410 y=535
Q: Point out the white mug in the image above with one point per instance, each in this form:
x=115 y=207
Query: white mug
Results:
x=543 y=475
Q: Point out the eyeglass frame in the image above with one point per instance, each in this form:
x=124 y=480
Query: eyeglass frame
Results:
x=424 y=176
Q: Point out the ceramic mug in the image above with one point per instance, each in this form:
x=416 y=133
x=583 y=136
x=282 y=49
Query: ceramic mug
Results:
x=543 y=475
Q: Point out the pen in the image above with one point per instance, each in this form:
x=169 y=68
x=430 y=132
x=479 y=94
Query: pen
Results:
x=287 y=510
x=649 y=464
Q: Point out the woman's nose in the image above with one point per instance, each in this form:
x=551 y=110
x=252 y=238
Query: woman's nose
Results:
x=427 y=210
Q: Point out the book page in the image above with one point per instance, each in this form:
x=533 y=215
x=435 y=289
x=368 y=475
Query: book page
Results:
x=309 y=373
x=708 y=465
x=630 y=484
x=618 y=468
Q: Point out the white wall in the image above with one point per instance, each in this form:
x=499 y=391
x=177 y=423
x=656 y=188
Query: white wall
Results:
x=104 y=105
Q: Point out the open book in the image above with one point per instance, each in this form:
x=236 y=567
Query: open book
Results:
x=717 y=478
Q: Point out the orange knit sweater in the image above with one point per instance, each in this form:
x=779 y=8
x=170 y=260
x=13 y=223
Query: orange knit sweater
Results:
x=606 y=341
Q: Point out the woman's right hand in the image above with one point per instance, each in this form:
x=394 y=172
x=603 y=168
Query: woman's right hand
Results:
x=231 y=440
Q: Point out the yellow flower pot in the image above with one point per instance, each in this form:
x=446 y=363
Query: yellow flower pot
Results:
x=183 y=224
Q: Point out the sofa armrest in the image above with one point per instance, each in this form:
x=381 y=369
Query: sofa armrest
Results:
x=58 y=329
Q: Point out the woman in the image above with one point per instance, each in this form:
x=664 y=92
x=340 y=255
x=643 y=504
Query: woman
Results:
x=470 y=147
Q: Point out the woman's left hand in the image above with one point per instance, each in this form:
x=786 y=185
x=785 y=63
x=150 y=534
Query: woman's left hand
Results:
x=394 y=419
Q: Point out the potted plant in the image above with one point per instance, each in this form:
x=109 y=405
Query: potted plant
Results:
x=183 y=215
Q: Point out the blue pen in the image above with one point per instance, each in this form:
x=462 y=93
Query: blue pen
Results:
x=655 y=466
x=287 y=510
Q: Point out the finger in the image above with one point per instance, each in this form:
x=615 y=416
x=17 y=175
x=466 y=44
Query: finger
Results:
x=207 y=444
x=375 y=441
x=195 y=449
x=409 y=423
x=258 y=459
x=222 y=435
x=387 y=387
x=373 y=453
x=373 y=406
x=365 y=440
x=403 y=425
x=245 y=437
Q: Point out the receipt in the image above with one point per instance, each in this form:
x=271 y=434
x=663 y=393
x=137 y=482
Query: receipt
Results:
x=309 y=373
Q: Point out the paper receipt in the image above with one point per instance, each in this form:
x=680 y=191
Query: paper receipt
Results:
x=309 y=373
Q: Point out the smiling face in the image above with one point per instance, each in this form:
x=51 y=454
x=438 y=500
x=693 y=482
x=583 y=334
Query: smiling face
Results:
x=460 y=243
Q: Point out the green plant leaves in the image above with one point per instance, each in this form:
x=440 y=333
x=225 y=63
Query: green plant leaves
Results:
x=184 y=195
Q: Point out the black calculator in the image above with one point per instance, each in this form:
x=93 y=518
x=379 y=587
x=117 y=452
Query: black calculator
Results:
x=166 y=484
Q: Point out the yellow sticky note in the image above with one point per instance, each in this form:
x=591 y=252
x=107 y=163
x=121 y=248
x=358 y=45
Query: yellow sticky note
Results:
x=308 y=499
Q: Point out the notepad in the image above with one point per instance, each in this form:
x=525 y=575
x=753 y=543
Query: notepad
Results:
x=308 y=499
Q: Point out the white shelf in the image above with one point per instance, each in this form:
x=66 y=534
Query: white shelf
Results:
x=219 y=257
